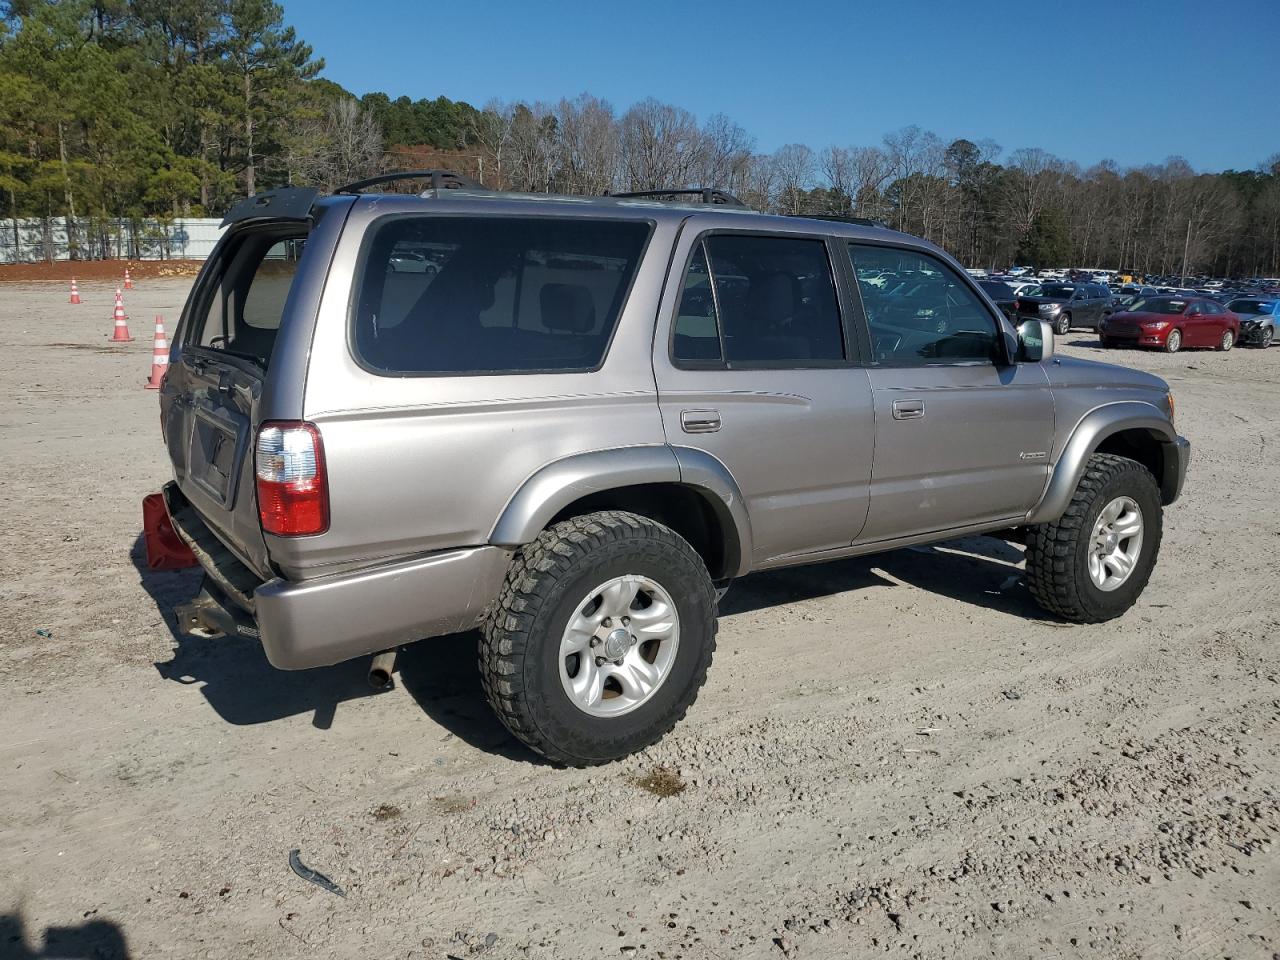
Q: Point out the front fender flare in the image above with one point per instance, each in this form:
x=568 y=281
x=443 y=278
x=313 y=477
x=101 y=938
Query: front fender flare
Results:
x=1094 y=427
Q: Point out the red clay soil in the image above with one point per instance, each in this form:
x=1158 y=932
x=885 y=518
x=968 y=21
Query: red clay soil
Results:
x=63 y=270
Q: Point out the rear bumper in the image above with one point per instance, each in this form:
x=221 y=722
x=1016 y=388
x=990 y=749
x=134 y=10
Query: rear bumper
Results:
x=331 y=619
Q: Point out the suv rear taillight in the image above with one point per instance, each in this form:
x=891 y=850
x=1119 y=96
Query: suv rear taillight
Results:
x=293 y=491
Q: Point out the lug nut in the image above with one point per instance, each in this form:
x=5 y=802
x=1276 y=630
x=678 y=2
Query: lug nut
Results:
x=595 y=641
x=608 y=621
x=600 y=661
x=625 y=621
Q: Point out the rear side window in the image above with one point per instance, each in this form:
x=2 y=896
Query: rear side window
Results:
x=758 y=301
x=441 y=295
x=242 y=305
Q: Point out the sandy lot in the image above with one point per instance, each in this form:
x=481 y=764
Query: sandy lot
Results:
x=895 y=754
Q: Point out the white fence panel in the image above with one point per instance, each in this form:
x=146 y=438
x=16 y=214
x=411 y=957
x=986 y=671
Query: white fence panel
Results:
x=33 y=240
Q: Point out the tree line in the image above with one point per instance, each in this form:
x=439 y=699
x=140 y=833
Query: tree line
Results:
x=138 y=109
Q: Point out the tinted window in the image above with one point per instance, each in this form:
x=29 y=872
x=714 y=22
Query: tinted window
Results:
x=1057 y=291
x=697 y=335
x=767 y=301
x=1249 y=306
x=996 y=289
x=934 y=318
x=490 y=294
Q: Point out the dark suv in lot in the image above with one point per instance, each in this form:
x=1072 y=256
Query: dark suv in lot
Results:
x=1067 y=305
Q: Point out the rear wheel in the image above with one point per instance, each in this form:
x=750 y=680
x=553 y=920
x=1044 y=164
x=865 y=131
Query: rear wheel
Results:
x=1227 y=342
x=601 y=638
x=1092 y=563
x=1173 y=342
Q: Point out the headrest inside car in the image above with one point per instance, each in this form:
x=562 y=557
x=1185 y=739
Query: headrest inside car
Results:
x=568 y=307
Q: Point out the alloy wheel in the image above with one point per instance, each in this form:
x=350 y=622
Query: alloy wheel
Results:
x=1115 y=544
x=619 y=646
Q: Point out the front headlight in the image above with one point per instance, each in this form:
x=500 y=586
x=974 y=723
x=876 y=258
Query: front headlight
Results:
x=1155 y=325
x=1173 y=410
x=1050 y=307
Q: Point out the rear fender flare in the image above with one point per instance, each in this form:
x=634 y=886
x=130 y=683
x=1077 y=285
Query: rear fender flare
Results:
x=1093 y=428
x=558 y=484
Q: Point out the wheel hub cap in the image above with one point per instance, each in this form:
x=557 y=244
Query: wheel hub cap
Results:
x=617 y=643
x=1116 y=543
x=619 y=646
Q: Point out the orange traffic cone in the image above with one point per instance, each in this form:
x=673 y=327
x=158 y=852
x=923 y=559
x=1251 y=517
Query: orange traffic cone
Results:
x=159 y=356
x=75 y=291
x=128 y=280
x=120 y=333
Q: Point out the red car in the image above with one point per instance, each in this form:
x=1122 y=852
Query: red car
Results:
x=1172 y=323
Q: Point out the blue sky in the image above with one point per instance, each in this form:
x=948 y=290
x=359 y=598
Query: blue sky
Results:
x=1135 y=82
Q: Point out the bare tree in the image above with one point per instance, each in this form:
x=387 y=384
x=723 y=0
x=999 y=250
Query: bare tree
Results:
x=343 y=145
x=587 y=143
x=661 y=146
x=491 y=128
x=724 y=158
x=794 y=167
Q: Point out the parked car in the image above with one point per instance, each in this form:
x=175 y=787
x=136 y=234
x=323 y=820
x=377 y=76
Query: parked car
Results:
x=1028 y=288
x=1172 y=323
x=1258 y=319
x=1067 y=305
x=1002 y=296
x=595 y=415
x=1128 y=295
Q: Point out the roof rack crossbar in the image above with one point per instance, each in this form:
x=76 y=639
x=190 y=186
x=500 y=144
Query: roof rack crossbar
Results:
x=440 y=180
x=709 y=195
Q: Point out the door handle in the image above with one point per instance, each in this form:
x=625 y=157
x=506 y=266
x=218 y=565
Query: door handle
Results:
x=700 y=421
x=908 y=409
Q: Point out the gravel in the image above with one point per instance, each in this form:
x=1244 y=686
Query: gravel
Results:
x=896 y=754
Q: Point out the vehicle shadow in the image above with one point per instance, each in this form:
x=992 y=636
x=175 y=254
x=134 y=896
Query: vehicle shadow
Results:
x=1094 y=342
x=441 y=675
x=983 y=571
x=233 y=673
x=93 y=940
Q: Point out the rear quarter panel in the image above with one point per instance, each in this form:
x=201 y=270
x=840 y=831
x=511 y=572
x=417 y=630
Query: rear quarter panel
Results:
x=417 y=464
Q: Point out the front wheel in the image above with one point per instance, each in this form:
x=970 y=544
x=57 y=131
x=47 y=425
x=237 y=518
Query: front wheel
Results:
x=1092 y=563
x=1227 y=342
x=601 y=638
x=1063 y=325
x=1173 y=342
x=1265 y=339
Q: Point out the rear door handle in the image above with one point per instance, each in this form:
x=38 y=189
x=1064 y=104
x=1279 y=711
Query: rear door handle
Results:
x=908 y=409
x=700 y=421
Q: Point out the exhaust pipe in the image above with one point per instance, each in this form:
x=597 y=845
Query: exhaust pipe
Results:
x=381 y=667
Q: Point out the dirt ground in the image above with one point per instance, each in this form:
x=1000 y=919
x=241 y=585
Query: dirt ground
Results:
x=110 y=271
x=893 y=755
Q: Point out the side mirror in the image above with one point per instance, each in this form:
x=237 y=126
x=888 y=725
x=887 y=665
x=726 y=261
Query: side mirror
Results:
x=1035 y=341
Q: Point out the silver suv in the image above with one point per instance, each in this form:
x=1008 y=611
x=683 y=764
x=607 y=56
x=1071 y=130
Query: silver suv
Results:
x=572 y=422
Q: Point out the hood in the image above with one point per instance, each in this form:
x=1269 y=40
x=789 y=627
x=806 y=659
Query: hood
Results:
x=1078 y=373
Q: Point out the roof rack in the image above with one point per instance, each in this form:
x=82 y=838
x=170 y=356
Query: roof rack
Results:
x=837 y=218
x=709 y=195
x=440 y=180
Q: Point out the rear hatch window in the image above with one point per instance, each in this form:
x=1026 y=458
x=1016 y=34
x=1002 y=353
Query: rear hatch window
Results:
x=452 y=295
x=240 y=313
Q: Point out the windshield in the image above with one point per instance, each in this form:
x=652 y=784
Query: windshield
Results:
x=1057 y=290
x=1251 y=306
x=1160 y=305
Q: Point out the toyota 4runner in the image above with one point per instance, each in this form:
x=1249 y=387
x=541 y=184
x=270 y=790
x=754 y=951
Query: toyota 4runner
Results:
x=572 y=422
